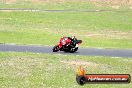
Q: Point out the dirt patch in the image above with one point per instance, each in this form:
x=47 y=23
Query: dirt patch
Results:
x=105 y=67
x=108 y=34
x=114 y=2
x=89 y=66
x=116 y=7
x=130 y=7
x=80 y=63
x=105 y=34
x=9 y=1
x=117 y=34
x=110 y=2
x=53 y=1
x=97 y=2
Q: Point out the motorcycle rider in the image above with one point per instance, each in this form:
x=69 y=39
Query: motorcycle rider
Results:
x=73 y=39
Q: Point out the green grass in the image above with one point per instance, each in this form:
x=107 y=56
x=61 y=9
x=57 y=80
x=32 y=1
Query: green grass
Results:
x=57 y=71
x=101 y=29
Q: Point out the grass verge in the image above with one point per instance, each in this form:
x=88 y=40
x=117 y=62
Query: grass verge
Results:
x=57 y=71
x=101 y=29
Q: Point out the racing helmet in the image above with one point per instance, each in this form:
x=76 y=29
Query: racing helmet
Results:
x=72 y=37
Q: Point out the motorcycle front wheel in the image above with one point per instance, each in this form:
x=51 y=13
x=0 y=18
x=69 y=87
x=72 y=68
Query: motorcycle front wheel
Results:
x=56 y=48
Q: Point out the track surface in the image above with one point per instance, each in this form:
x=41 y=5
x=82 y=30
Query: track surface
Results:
x=81 y=51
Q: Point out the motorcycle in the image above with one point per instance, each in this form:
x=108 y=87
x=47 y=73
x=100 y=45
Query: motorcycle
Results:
x=67 y=45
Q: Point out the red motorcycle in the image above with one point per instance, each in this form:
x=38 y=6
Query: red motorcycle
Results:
x=67 y=45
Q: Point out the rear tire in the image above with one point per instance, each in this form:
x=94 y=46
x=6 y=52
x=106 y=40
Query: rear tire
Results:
x=56 y=48
x=76 y=49
x=73 y=50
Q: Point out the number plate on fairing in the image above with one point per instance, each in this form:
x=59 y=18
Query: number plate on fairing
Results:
x=76 y=45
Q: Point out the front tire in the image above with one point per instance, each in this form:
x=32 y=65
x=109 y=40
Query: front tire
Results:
x=56 y=48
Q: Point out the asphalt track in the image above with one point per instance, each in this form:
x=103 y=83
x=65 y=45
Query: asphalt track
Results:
x=82 y=51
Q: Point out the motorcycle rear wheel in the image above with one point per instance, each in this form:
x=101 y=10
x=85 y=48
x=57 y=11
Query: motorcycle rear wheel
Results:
x=73 y=50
